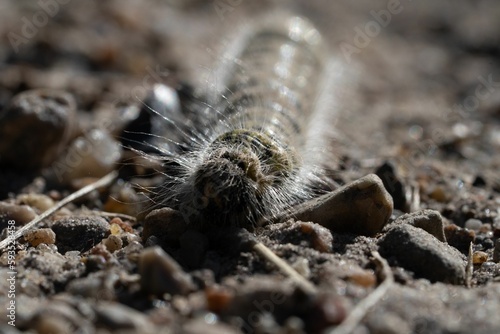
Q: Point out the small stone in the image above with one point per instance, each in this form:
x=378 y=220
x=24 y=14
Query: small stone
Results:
x=428 y=220
x=391 y=180
x=79 y=233
x=113 y=243
x=37 y=237
x=439 y=194
x=361 y=207
x=364 y=278
x=166 y=224
x=93 y=155
x=40 y=123
x=415 y=250
x=39 y=201
x=161 y=274
x=218 y=298
x=21 y=214
x=473 y=224
x=479 y=257
x=496 y=251
x=459 y=238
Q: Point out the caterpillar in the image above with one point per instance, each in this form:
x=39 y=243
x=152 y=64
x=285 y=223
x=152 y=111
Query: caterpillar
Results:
x=244 y=163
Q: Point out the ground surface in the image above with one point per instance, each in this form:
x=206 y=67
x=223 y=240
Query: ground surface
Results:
x=422 y=110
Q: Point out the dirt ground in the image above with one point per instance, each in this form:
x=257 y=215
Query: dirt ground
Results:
x=417 y=103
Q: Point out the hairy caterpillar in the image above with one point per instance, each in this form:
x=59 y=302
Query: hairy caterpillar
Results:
x=244 y=163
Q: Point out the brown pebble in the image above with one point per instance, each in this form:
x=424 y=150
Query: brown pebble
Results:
x=439 y=194
x=361 y=207
x=161 y=274
x=218 y=298
x=479 y=257
x=113 y=243
x=37 y=237
x=166 y=224
x=124 y=225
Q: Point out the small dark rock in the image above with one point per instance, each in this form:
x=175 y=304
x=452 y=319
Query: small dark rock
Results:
x=166 y=224
x=460 y=238
x=415 y=250
x=496 y=251
x=79 y=233
x=479 y=181
x=392 y=182
x=40 y=123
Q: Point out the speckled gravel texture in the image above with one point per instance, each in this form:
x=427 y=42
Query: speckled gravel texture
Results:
x=418 y=105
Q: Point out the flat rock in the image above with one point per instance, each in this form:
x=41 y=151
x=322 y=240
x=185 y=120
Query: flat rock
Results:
x=416 y=250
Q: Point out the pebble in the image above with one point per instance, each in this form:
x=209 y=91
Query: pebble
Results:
x=21 y=214
x=361 y=207
x=429 y=220
x=392 y=182
x=218 y=298
x=113 y=243
x=479 y=257
x=161 y=274
x=40 y=122
x=37 y=237
x=93 y=155
x=166 y=224
x=38 y=201
x=459 y=238
x=473 y=224
x=496 y=251
x=413 y=249
x=79 y=233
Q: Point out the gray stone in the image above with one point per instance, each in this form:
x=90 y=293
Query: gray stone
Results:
x=428 y=220
x=414 y=249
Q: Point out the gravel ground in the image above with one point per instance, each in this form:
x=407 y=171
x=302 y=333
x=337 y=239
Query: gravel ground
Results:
x=417 y=104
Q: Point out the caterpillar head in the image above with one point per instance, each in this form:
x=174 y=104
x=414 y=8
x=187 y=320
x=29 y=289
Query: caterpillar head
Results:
x=233 y=181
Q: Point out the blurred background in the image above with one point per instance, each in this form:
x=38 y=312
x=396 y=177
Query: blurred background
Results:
x=423 y=76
